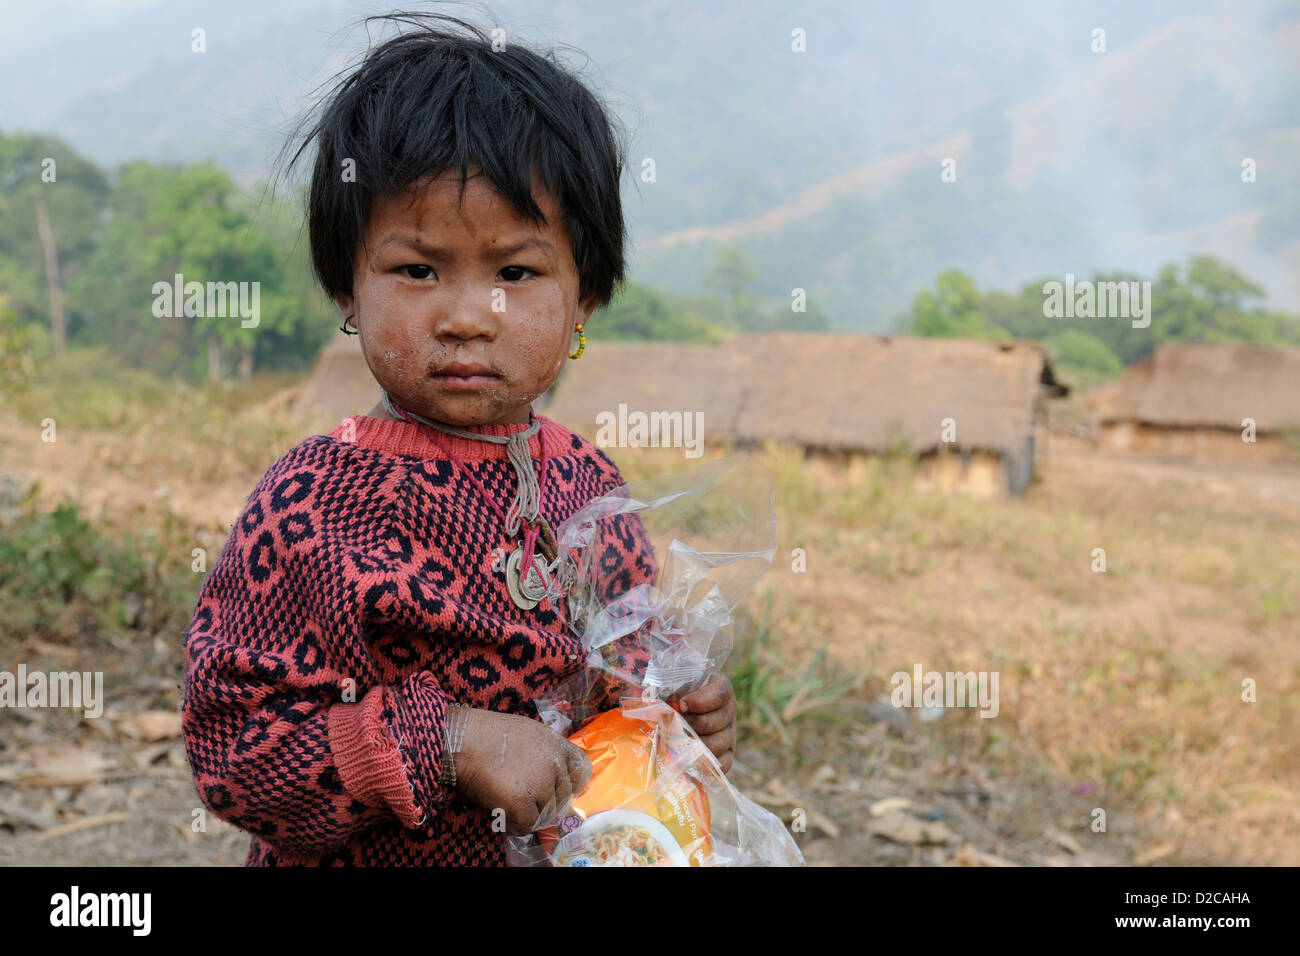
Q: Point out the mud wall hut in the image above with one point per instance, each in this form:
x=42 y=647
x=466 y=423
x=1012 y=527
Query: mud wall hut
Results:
x=972 y=412
x=1198 y=400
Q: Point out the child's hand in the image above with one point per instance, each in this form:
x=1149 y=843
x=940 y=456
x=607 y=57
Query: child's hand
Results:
x=520 y=766
x=711 y=712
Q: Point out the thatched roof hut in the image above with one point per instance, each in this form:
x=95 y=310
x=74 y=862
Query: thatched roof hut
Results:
x=1208 y=401
x=828 y=392
x=867 y=393
x=1206 y=385
x=658 y=375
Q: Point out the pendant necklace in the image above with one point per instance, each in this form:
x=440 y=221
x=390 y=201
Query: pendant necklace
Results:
x=526 y=589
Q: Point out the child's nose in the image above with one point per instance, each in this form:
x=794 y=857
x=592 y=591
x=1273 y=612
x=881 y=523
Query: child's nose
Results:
x=465 y=312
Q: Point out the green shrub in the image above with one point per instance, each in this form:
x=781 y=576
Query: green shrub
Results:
x=63 y=578
x=1084 y=354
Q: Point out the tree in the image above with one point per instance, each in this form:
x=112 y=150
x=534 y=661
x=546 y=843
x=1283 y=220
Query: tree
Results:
x=732 y=273
x=640 y=313
x=51 y=200
x=1204 y=301
x=169 y=220
x=953 y=310
x=19 y=345
x=1083 y=354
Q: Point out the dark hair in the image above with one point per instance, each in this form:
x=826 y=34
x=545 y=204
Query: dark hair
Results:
x=431 y=99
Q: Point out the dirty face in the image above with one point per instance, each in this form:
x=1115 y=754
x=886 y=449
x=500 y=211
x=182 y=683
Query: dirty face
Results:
x=466 y=312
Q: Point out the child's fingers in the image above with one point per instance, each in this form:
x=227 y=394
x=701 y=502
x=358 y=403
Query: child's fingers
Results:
x=713 y=721
x=711 y=696
x=720 y=742
x=725 y=760
x=563 y=788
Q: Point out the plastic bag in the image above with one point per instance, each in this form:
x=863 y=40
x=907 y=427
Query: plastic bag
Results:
x=657 y=794
x=640 y=809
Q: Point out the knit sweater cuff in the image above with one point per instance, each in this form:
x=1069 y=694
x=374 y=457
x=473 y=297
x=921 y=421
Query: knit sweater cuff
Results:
x=388 y=747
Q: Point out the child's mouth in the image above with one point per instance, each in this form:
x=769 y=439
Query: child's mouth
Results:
x=464 y=377
x=464 y=383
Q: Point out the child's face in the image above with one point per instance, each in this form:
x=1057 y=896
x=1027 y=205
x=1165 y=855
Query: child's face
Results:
x=435 y=285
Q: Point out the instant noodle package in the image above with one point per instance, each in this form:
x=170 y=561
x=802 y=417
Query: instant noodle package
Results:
x=640 y=808
x=657 y=796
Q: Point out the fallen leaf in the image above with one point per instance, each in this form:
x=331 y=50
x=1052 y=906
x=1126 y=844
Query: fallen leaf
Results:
x=823 y=823
x=1154 y=853
x=85 y=823
x=969 y=856
x=778 y=795
x=887 y=805
x=781 y=794
x=1064 y=841
x=100 y=726
x=150 y=725
x=823 y=774
x=901 y=827
x=65 y=766
x=1086 y=858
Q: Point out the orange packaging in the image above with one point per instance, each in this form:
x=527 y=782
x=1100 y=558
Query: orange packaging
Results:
x=641 y=807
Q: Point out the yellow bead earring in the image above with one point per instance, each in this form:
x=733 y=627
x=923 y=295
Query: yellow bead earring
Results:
x=582 y=342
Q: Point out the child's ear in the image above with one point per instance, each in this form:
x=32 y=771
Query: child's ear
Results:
x=585 y=308
x=345 y=304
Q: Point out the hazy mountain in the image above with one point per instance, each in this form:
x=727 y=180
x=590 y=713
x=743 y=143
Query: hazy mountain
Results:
x=824 y=166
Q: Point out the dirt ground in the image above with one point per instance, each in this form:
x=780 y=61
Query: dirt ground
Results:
x=884 y=788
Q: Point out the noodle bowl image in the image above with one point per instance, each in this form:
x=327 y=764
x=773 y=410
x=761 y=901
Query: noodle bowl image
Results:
x=619 y=838
x=642 y=806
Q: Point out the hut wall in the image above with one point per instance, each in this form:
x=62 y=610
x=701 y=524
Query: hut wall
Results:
x=1198 y=444
x=1020 y=466
x=979 y=473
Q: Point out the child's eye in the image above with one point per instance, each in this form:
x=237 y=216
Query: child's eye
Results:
x=516 y=269
x=410 y=271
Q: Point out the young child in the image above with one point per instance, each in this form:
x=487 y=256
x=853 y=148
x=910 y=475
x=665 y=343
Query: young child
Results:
x=362 y=662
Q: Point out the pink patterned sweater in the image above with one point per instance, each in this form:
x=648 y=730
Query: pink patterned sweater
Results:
x=354 y=599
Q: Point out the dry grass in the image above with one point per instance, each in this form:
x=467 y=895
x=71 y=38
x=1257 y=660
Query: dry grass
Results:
x=1125 y=684
x=196 y=437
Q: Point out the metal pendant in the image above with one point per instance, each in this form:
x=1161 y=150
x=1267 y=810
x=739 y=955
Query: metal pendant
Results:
x=527 y=592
